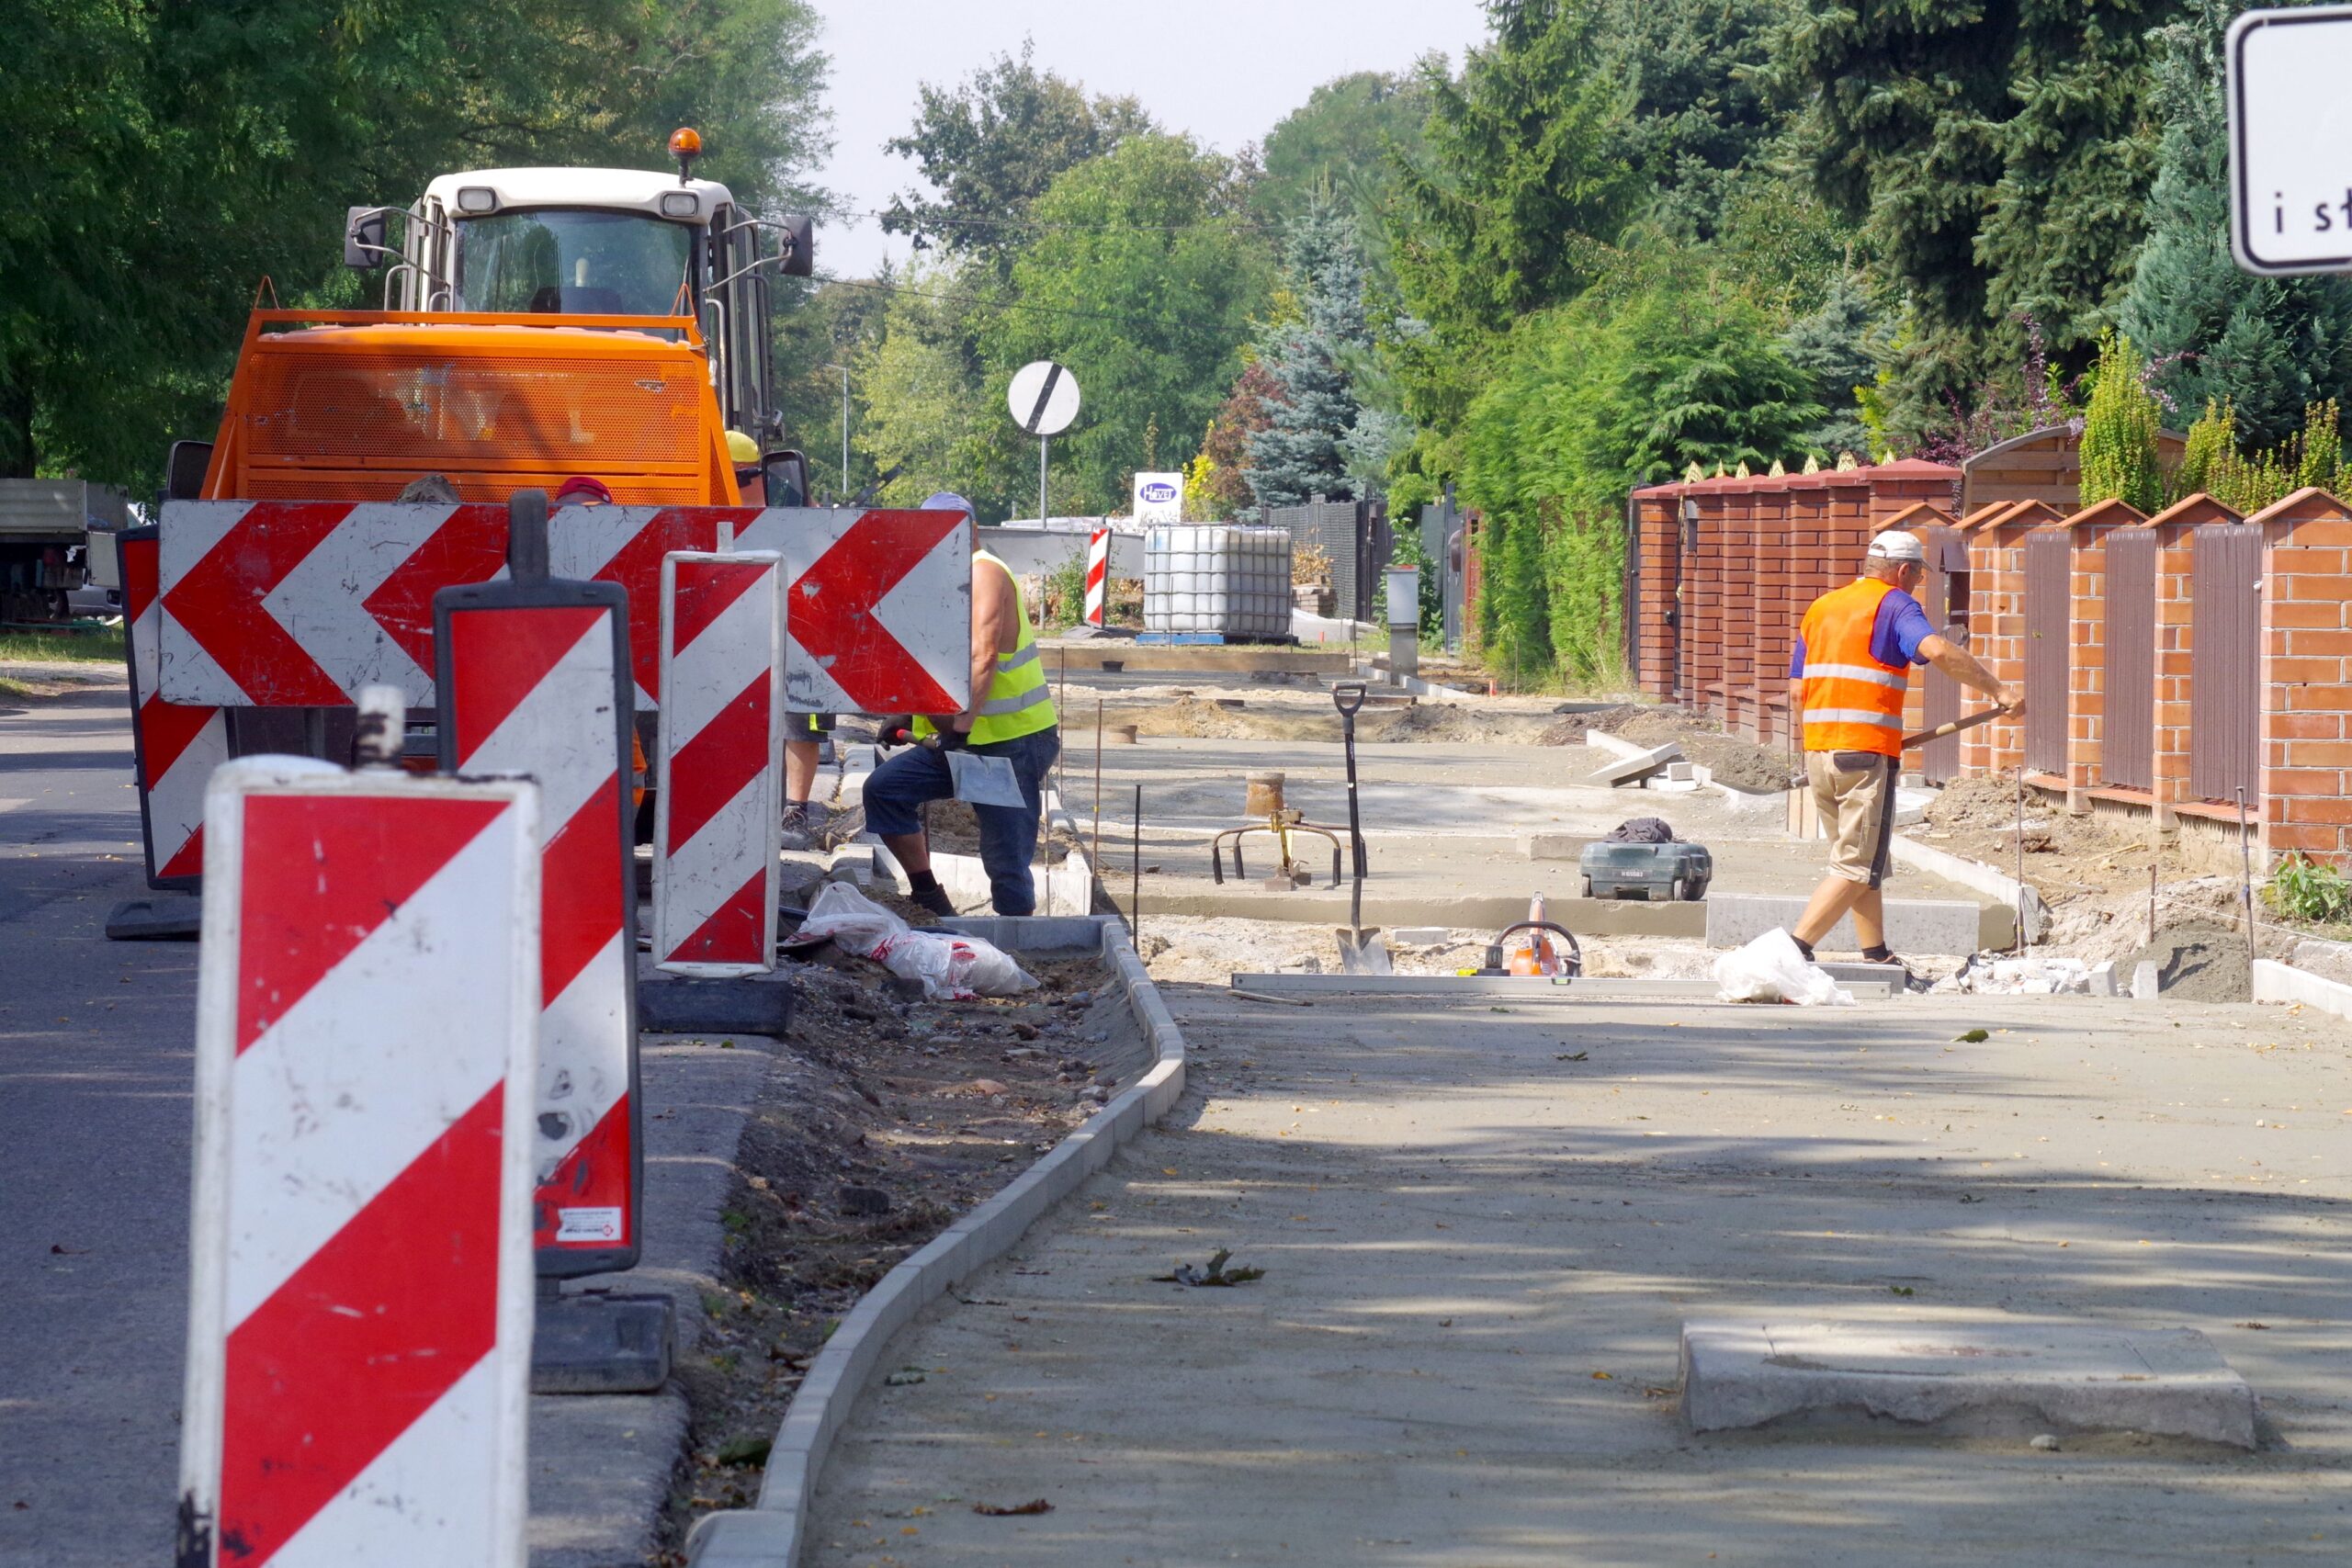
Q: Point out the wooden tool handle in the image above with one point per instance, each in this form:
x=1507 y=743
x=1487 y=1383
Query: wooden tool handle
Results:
x=1954 y=727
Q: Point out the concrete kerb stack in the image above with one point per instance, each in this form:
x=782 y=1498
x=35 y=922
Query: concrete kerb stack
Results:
x=774 y=1533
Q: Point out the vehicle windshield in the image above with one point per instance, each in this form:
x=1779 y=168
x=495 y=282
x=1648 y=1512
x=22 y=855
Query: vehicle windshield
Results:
x=573 y=263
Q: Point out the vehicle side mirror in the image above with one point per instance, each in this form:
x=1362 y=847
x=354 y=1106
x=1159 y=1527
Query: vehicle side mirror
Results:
x=798 y=242
x=183 y=470
x=363 y=239
x=787 y=476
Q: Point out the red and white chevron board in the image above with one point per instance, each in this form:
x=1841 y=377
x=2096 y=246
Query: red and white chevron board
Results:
x=1098 y=573
x=534 y=691
x=175 y=749
x=361 y=1295
x=271 y=603
x=718 y=814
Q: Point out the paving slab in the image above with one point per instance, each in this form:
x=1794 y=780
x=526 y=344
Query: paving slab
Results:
x=1947 y=927
x=1972 y=1378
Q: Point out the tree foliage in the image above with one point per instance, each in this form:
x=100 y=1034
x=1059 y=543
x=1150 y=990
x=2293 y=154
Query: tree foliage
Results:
x=1302 y=451
x=1695 y=116
x=2119 y=450
x=993 y=144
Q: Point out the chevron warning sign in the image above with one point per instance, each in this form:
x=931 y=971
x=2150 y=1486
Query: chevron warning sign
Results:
x=718 y=815
x=270 y=604
x=175 y=749
x=533 y=683
x=359 y=1326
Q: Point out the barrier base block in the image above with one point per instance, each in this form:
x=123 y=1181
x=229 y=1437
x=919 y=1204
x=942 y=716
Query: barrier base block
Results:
x=171 y=917
x=601 y=1342
x=675 y=1004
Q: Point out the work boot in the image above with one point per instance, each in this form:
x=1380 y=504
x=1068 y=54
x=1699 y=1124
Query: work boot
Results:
x=935 y=898
x=804 y=824
x=1882 y=954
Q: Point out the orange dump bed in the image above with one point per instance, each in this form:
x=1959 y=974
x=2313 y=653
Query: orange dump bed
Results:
x=353 y=405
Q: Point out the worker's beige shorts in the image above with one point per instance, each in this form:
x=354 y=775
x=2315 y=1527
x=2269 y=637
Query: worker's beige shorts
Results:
x=1853 y=791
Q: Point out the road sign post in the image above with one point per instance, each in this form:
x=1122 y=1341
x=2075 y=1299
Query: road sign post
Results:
x=2291 y=140
x=359 y=1324
x=1043 y=398
x=533 y=681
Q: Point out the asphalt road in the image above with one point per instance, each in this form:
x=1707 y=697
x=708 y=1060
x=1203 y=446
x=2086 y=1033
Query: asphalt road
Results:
x=95 y=1124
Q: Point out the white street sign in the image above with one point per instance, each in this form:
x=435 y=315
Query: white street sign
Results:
x=1043 y=398
x=2291 y=139
x=1159 y=498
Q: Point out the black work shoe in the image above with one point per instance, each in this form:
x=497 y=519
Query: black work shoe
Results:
x=935 y=899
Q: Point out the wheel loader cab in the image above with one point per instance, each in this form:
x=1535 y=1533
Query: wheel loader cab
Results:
x=597 y=243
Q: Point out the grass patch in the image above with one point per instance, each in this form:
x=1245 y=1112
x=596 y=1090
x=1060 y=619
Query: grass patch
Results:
x=13 y=690
x=103 y=647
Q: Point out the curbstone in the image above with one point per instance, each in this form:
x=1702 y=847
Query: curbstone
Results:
x=2277 y=982
x=1983 y=878
x=1914 y=925
x=773 y=1533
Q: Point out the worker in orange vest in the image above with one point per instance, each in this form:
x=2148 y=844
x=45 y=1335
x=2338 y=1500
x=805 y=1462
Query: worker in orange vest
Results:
x=1847 y=677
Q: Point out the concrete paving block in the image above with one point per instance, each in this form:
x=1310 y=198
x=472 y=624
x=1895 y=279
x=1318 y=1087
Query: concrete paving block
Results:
x=1638 y=766
x=2146 y=982
x=1557 y=846
x=1421 y=936
x=1985 y=1379
x=1948 y=926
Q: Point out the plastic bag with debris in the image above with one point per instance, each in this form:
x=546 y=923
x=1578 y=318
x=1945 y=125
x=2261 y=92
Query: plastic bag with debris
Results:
x=951 y=968
x=1770 y=969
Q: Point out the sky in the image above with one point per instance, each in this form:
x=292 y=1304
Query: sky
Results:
x=1226 y=71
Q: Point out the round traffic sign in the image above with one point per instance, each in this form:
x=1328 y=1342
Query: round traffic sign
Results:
x=1043 y=398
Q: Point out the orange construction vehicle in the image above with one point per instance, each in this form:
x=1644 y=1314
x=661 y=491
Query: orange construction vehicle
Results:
x=538 y=323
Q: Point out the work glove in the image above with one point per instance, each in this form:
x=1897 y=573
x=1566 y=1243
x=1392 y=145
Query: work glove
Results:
x=895 y=730
x=952 y=739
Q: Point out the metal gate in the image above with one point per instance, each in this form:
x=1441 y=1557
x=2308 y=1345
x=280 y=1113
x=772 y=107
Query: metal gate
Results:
x=2049 y=646
x=1945 y=599
x=2127 y=743
x=1333 y=527
x=2225 y=662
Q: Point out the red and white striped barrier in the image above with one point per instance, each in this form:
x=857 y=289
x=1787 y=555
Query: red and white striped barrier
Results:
x=534 y=681
x=360 y=1312
x=718 y=811
x=1098 y=573
x=277 y=603
x=175 y=749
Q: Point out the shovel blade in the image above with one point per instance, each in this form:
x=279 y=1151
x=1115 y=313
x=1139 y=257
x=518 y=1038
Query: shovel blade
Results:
x=985 y=781
x=1363 y=952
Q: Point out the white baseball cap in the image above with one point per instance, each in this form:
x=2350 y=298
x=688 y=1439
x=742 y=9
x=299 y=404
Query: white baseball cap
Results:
x=1897 y=545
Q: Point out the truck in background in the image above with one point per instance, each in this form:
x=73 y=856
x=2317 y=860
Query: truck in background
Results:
x=57 y=554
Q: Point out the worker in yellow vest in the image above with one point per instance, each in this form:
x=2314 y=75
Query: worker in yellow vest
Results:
x=1848 y=677
x=1011 y=716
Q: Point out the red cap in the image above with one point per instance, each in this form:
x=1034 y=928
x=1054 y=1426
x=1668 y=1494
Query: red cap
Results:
x=581 y=484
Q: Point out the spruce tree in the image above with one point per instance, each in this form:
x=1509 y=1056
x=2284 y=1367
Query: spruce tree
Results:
x=1829 y=347
x=2264 y=347
x=1301 y=453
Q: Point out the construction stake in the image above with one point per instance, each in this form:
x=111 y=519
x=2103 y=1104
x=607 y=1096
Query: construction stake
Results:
x=2245 y=872
x=2021 y=860
x=1134 y=878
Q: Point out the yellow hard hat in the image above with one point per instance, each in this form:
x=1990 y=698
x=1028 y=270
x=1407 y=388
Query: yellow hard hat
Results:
x=742 y=449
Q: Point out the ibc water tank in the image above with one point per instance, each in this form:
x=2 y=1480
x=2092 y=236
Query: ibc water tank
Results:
x=1217 y=577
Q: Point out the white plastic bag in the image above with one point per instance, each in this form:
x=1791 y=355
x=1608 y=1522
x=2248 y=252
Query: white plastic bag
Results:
x=952 y=968
x=1770 y=969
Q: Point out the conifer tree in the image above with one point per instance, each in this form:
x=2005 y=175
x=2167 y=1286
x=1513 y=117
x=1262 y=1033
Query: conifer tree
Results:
x=1301 y=454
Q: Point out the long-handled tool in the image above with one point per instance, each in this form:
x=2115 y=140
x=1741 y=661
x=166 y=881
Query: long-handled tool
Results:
x=1969 y=721
x=1362 y=951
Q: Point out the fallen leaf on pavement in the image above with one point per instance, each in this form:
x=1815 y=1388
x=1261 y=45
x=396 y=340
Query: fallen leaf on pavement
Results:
x=1000 y=1511
x=1971 y=1037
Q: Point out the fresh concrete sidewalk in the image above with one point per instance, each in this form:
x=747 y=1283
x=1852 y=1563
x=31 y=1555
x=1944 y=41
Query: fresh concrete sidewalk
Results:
x=1464 y=1233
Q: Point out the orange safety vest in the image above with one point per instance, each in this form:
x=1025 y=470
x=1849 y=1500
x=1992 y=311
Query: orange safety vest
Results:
x=1852 y=702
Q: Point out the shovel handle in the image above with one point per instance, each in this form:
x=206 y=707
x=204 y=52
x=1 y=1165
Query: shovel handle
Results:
x=1970 y=722
x=1348 y=696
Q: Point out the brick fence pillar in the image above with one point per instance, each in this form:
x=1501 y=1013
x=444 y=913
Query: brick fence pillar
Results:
x=1657 y=537
x=2306 y=757
x=2176 y=527
x=2087 y=668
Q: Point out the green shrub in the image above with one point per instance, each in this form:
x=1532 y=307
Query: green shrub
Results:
x=2302 y=889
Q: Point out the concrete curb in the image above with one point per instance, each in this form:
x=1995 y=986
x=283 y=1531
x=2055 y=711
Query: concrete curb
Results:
x=1976 y=875
x=1367 y=670
x=2277 y=982
x=773 y=1533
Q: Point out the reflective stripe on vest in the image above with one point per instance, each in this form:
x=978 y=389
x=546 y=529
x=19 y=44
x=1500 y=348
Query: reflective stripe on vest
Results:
x=1019 y=700
x=1853 y=701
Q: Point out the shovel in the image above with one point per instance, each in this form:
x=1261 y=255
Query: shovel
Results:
x=1362 y=951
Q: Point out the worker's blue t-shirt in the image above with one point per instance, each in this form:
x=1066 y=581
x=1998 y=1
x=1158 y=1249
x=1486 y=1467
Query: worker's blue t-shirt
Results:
x=1896 y=636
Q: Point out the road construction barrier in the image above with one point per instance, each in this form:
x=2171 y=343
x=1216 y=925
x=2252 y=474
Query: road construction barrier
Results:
x=1098 y=574
x=174 y=747
x=360 y=1312
x=717 y=813
x=275 y=603
x=533 y=681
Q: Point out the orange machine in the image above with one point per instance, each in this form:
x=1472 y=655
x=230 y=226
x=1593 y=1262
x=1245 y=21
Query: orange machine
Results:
x=351 y=405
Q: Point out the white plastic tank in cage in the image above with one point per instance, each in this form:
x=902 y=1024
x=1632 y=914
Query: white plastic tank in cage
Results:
x=1223 y=578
